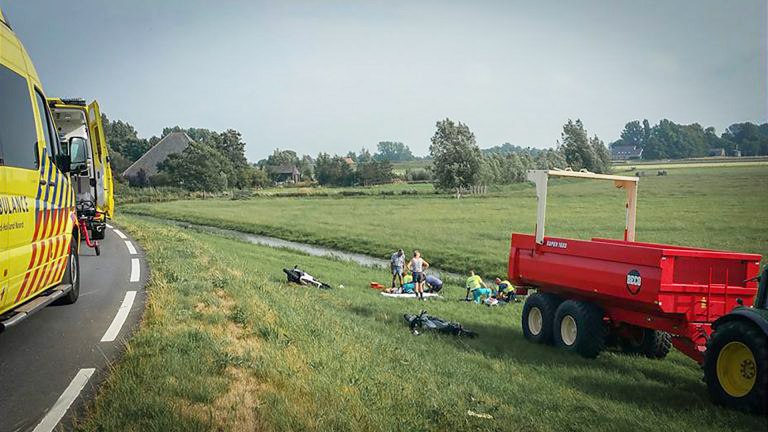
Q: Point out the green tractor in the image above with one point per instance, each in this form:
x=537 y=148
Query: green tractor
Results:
x=736 y=360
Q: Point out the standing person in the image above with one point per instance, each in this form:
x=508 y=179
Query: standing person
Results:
x=418 y=265
x=435 y=284
x=396 y=264
x=475 y=283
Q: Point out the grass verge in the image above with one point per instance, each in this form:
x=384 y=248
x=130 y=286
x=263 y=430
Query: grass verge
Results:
x=226 y=345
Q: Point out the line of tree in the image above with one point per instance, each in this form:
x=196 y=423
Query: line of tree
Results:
x=125 y=146
x=458 y=162
x=354 y=169
x=216 y=160
x=669 y=140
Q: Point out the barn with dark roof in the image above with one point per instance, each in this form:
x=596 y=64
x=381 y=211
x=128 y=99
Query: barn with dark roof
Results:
x=175 y=142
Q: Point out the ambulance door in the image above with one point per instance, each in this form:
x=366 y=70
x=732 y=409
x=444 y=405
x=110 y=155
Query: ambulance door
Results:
x=53 y=195
x=105 y=200
x=4 y=226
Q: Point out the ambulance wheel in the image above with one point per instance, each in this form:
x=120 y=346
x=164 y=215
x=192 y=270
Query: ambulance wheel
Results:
x=736 y=367
x=578 y=327
x=72 y=274
x=538 y=316
x=653 y=344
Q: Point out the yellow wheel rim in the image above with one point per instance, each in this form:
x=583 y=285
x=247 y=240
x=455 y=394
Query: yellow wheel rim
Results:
x=568 y=330
x=736 y=369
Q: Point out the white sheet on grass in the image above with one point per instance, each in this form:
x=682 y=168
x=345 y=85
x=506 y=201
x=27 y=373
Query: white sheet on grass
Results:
x=404 y=295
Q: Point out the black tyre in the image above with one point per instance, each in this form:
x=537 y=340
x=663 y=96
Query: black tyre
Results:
x=97 y=249
x=579 y=328
x=736 y=367
x=538 y=315
x=72 y=274
x=653 y=344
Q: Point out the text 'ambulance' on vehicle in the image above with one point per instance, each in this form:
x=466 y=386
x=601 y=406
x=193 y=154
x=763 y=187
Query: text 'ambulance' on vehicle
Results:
x=39 y=234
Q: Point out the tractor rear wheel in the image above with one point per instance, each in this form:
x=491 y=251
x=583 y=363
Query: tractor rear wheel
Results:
x=653 y=344
x=736 y=367
x=579 y=328
x=538 y=316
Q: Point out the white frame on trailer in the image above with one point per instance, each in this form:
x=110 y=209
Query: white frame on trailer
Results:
x=540 y=178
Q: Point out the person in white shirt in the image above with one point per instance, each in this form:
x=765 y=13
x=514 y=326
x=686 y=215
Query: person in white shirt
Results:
x=418 y=266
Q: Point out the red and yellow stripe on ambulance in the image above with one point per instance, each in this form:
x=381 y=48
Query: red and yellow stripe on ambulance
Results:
x=39 y=233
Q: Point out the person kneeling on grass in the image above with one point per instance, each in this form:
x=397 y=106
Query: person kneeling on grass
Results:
x=434 y=284
x=479 y=295
x=408 y=288
x=407 y=277
x=505 y=291
x=475 y=283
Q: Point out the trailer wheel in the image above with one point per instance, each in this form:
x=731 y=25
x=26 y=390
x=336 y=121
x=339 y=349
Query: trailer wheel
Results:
x=579 y=328
x=653 y=344
x=72 y=274
x=538 y=315
x=736 y=367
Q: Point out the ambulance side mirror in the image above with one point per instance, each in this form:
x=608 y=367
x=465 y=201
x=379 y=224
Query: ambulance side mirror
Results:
x=76 y=152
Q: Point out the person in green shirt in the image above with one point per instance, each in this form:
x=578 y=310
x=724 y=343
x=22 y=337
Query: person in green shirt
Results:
x=477 y=286
x=504 y=290
x=407 y=278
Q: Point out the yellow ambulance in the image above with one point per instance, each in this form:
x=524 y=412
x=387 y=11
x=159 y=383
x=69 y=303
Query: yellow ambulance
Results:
x=39 y=233
x=79 y=125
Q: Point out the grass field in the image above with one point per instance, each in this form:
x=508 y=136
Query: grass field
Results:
x=716 y=207
x=693 y=164
x=401 y=167
x=394 y=188
x=226 y=345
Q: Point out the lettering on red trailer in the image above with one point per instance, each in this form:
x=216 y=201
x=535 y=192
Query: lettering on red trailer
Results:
x=634 y=282
x=557 y=244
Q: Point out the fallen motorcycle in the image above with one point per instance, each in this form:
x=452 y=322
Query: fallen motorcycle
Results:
x=428 y=322
x=298 y=276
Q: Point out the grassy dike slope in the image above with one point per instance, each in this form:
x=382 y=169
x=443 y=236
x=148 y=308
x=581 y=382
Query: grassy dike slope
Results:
x=226 y=345
x=720 y=208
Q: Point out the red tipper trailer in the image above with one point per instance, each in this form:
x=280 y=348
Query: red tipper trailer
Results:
x=642 y=296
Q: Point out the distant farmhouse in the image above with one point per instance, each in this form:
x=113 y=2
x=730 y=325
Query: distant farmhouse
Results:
x=146 y=166
x=622 y=153
x=285 y=173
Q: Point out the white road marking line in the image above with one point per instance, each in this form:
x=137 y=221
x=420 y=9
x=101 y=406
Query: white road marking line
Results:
x=135 y=270
x=65 y=401
x=120 y=317
x=120 y=234
x=131 y=249
x=109 y=226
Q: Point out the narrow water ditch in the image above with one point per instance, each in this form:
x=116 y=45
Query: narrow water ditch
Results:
x=365 y=260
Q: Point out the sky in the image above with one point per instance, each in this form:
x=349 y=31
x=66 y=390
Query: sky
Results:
x=335 y=76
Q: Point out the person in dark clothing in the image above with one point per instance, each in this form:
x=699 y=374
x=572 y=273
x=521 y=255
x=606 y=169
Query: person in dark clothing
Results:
x=434 y=284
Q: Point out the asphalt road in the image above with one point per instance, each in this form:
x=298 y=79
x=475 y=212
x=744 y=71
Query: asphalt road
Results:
x=46 y=359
